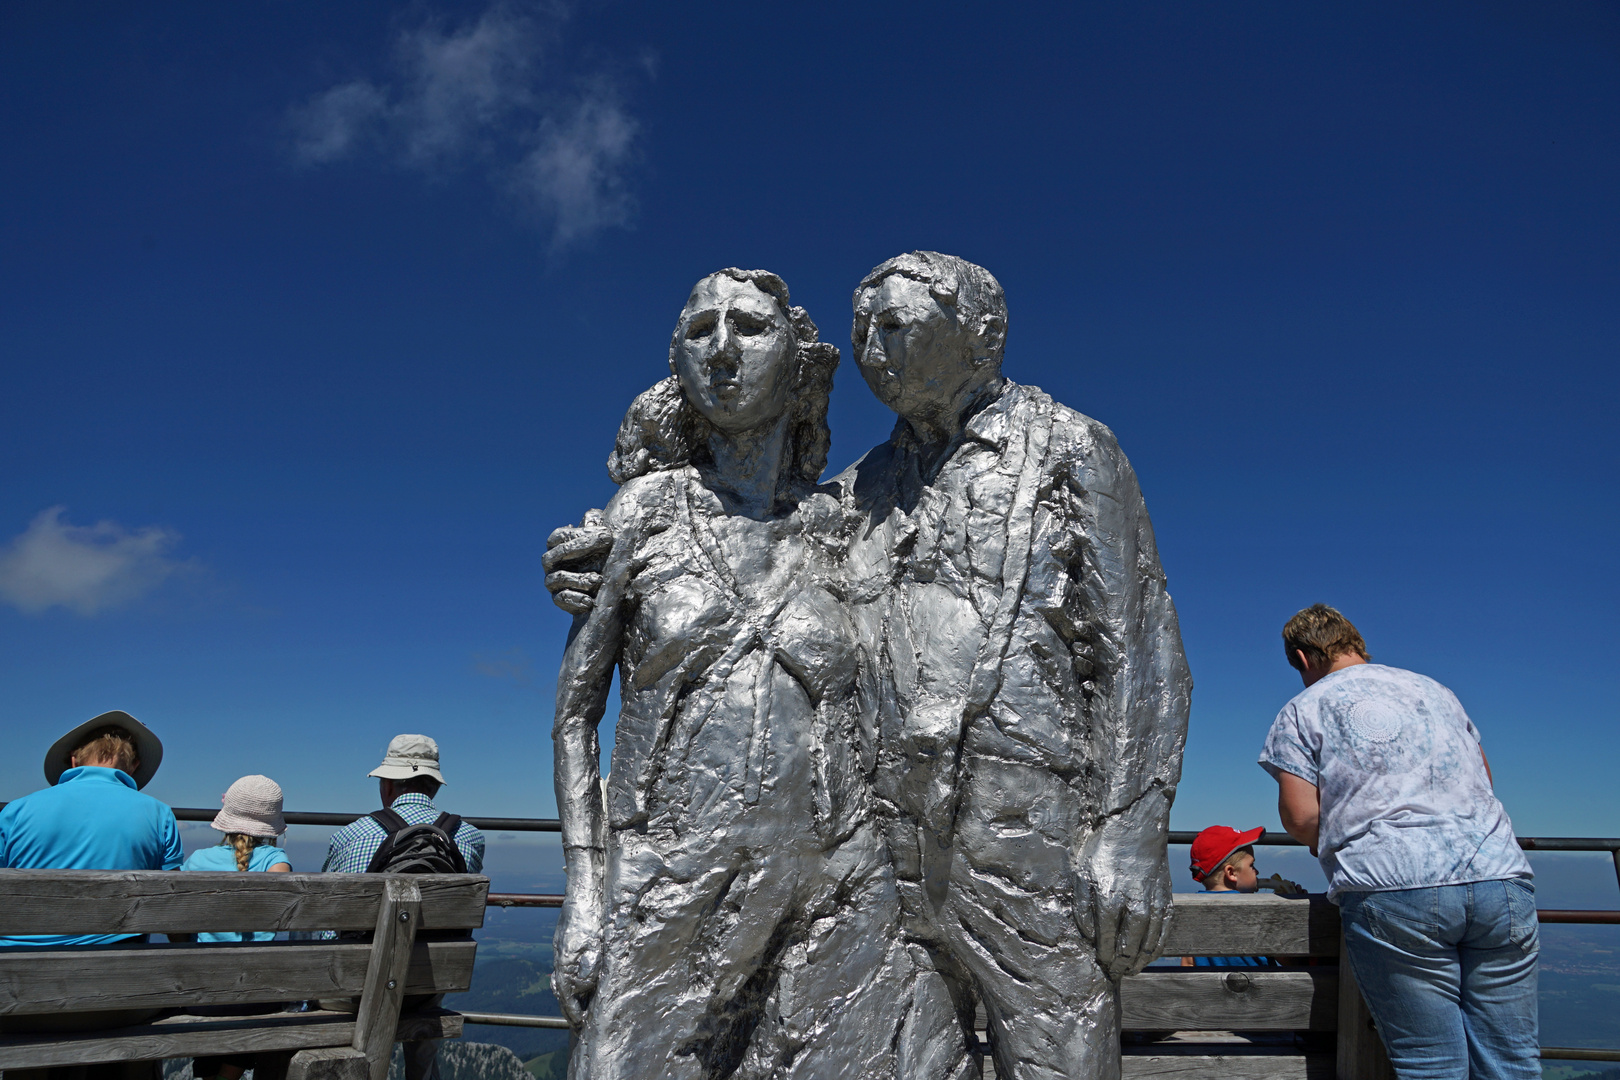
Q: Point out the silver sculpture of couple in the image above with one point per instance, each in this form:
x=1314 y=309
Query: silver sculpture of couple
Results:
x=891 y=747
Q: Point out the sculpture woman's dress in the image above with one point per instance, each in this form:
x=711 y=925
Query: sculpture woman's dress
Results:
x=731 y=909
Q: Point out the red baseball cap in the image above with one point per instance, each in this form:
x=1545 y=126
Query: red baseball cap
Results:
x=1211 y=847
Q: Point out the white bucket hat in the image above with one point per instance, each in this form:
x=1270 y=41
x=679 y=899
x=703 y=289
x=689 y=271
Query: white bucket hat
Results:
x=410 y=756
x=252 y=808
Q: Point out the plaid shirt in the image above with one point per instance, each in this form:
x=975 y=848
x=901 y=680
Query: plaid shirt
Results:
x=355 y=844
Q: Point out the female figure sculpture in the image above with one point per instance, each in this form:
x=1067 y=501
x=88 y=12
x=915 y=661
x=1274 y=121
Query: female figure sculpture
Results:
x=730 y=908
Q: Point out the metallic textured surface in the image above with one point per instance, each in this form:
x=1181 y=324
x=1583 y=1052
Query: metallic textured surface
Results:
x=890 y=747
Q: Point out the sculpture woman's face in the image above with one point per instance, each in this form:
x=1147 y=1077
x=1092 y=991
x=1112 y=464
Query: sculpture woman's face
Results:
x=734 y=354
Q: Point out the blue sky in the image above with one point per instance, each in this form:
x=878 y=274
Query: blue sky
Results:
x=316 y=318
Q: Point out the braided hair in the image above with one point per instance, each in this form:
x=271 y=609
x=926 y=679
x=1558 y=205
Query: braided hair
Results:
x=244 y=845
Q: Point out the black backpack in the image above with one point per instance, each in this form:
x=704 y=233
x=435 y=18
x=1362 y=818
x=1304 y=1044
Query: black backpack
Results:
x=417 y=849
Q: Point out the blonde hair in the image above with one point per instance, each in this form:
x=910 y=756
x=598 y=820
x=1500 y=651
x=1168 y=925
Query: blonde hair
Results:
x=244 y=845
x=1323 y=635
x=112 y=744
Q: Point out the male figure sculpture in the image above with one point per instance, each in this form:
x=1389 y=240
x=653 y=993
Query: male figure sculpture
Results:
x=1035 y=693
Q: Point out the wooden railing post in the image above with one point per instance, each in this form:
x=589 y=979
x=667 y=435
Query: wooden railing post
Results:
x=378 y=1018
x=1360 y=1049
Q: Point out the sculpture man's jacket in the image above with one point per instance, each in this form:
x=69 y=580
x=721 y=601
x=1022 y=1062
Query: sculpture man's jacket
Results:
x=1029 y=652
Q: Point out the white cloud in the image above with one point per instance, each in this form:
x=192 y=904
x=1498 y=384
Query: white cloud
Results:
x=575 y=175
x=513 y=664
x=479 y=94
x=85 y=568
x=331 y=125
x=463 y=84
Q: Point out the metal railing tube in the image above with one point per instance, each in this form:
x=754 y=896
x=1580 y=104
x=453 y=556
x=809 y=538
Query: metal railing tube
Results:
x=1577 y=1053
x=514 y=1020
x=297 y=817
x=1567 y=915
x=518 y=899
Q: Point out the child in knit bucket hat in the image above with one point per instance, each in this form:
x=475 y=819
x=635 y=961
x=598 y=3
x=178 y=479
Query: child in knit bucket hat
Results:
x=252 y=807
x=251 y=819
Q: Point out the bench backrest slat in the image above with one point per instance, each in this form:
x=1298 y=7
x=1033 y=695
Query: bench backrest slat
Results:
x=1231 y=999
x=1298 y=998
x=154 y=901
x=35 y=981
x=1256 y=924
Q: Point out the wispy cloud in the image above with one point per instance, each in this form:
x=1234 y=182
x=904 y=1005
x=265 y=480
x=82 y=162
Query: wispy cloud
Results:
x=84 y=568
x=575 y=176
x=483 y=94
x=335 y=124
x=513 y=664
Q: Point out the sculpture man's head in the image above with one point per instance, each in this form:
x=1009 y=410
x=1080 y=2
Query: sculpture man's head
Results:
x=928 y=335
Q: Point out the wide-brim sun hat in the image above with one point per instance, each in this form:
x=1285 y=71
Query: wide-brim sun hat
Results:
x=148 y=748
x=252 y=807
x=408 y=757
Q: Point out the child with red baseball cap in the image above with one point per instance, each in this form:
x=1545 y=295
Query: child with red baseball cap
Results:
x=1223 y=859
x=1223 y=862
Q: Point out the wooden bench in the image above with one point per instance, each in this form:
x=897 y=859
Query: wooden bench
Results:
x=318 y=1045
x=1204 y=1006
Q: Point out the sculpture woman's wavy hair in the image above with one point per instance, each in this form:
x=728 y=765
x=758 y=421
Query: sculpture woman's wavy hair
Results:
x=662 y=430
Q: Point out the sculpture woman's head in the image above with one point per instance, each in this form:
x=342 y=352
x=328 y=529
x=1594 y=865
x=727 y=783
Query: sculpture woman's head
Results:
x=743 y=358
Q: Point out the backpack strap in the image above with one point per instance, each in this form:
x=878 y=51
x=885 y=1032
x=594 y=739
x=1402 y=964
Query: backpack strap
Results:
x=450 y=824
x=392 y=823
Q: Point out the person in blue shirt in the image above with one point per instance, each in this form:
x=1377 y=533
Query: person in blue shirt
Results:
x=93 y=815
x=408 y=780
x=252 y=821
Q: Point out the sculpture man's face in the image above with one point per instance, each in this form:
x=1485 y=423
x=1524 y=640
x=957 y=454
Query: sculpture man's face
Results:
x=918 y=358
x=734 y=354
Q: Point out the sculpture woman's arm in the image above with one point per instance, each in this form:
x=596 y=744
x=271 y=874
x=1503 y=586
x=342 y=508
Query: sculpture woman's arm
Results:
x=582 y=693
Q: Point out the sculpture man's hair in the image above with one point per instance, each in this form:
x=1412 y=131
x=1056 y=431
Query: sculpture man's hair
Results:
x=968 y=287
x=1323 y=635
x=662 y=430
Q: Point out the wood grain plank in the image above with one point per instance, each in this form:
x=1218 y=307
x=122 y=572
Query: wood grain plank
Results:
x=1227 y=1066
x=378 y=1015
x=1254 y=924
x=331 y=1063
x=179 y=1036
x=176 y=976
x=1234 y=1066
x=429 y=1024
x=1303 y=999
x=161 y=902
x=188 y=1036
x=1360 y=1051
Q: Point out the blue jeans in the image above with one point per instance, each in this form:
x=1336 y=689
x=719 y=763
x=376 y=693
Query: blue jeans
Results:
x=1449 y=974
